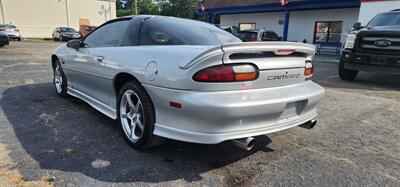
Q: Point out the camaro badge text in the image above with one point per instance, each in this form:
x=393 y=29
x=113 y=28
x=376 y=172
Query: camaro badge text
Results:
x=284 y=77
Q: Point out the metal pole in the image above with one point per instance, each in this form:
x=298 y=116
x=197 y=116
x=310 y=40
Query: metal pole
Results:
x=286 y=26
x=210 y=18
x=136 y=8
x=109 y=6
x=67 y=12
x=3 y=16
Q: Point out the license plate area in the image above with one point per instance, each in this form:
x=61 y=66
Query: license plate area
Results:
x=293 y=109
x=379 y=60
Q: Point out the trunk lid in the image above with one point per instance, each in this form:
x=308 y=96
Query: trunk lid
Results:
x=279 y=63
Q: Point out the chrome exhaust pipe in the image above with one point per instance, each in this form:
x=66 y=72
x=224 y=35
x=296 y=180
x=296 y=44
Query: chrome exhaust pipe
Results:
x=245 y=143
x=309 y=124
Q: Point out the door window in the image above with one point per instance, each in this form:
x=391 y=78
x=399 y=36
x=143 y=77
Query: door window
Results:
x=108 y=35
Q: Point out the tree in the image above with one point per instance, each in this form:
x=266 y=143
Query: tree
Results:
x=179 y=8
x=176 y=8
x=127 y=7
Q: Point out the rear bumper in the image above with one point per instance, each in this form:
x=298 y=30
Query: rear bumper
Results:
x=13 y=35
x=213 y=117
x=371 y=62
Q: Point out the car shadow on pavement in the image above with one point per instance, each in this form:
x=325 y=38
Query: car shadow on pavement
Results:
x=69 y=135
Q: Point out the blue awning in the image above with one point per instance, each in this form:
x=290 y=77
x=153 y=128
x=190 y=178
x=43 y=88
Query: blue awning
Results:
x=294 y=5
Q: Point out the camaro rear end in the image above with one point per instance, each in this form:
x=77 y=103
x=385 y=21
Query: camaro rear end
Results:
x=258 y=88
x=196 y=84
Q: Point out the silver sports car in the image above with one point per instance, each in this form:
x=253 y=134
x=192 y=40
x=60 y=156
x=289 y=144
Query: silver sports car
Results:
x=188 y=80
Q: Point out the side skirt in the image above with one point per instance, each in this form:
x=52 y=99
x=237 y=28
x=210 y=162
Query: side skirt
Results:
x=101 y=107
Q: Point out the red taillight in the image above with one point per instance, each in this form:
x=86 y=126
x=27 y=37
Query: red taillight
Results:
x=227 y=73
x=309 y=71
x=17 y=30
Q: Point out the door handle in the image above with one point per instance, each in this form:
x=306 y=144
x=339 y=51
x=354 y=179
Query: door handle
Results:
x=100 y=58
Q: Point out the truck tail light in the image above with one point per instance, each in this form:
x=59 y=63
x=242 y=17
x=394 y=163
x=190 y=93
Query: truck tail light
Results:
x=227 y=73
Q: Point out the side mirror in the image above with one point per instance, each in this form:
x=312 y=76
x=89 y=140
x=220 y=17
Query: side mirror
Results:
x=357 y=26
x=75 y=44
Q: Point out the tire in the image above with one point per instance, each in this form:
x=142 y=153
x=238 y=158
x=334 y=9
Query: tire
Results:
x=19 y=39
x=346 y=74
x=140 y=118
x=60 y=80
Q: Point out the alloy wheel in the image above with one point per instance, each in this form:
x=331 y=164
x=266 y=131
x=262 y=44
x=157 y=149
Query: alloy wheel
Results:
x=132 y=116
x=58 y=80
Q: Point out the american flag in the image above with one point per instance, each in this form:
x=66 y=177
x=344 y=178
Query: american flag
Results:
x=202 y=6
x=284 y=2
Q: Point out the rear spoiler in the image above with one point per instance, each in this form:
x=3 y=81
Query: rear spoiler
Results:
x=228 y=49
x=254 y=47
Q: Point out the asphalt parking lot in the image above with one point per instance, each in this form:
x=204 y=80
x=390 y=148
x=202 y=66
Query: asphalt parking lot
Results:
x=46 y=140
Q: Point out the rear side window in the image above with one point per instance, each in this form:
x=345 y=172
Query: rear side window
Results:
x=109 y=35
x=175 y=31
x=270 y=36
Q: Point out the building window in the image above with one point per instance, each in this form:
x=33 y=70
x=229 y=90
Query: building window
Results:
x=328 y=31
x=247 y=26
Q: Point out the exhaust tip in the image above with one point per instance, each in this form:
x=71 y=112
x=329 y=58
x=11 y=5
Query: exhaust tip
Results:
x=246 y=144
x=309 y=124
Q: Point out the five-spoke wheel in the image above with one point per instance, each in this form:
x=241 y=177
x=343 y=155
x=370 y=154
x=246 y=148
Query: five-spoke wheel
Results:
x=136 y=115
x=60 y=81
x=131 y=114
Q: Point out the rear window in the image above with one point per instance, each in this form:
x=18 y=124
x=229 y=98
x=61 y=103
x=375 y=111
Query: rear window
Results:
x=248 y=36
x=67 y=30
x=175 y=31
x=8 y=26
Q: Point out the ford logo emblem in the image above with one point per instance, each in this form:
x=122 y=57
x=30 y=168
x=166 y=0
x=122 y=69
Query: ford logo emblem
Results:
x=383 y=43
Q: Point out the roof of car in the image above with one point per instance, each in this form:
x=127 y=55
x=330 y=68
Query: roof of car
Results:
x=257 y=30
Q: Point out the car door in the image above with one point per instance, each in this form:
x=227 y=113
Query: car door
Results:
x=91 y=73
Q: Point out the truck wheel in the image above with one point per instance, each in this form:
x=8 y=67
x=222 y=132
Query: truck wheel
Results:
x=346 y=74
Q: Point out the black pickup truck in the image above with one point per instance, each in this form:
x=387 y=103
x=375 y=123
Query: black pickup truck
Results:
x=373 y=48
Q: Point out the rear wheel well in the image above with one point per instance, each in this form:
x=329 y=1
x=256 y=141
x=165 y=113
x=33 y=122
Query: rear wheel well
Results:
x=54 y=58
x=121 y=79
